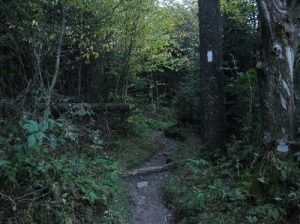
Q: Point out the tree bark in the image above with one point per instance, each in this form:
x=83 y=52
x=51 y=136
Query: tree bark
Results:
x=279 y=30
x=212 y=92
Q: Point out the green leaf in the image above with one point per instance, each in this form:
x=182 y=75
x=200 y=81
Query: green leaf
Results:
x=284 y=175
x=31 y=141
x=40 y=136
x=52 y=142
x=31 y=126
x=262 y=180
x=92 y=197
x=274 y=213
x=4 y=162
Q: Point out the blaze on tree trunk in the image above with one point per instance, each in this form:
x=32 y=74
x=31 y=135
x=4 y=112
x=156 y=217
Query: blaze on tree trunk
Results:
x=212 y=93
x=279 y=28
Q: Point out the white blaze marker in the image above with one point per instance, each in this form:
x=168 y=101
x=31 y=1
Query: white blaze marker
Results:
x=209 y=56
x=290 y=55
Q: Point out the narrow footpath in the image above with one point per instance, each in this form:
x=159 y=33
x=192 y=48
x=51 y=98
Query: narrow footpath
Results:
x=144 y=187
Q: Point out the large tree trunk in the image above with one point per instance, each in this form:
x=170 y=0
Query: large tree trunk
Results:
x=212 y=93
x=279 y=26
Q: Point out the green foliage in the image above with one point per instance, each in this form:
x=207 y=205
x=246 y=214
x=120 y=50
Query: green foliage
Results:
x=131 y=151
x=67 y=170
x=187 y=100
x=138 y=144
x=239 y=30
x=31 y=134
x=139 y=125
x=246 y=185
x=47 y=133
x=242 y=99
x=64 y=185
x=200 y=193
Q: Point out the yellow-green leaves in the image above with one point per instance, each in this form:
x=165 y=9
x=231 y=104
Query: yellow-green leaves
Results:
x=34 y=23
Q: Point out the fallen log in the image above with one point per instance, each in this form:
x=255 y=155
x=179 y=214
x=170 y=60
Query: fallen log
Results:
x=96 y=107
x=148 y=170
x=8 y=108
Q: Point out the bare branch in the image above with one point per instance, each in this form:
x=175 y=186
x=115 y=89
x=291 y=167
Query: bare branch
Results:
x=7 y=198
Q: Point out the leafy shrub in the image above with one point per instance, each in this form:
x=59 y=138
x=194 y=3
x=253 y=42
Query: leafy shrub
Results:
x=147 y=117
x=241 y=90
x=245 y=186
x=63 y=184
x=47 y=132
x=139 y=125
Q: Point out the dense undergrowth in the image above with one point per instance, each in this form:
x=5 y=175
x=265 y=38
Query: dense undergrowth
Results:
x=246 y=185
x=45 y=168
x=57 y=171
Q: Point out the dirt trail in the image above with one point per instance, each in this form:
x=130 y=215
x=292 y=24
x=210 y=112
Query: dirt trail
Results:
x=148 y=207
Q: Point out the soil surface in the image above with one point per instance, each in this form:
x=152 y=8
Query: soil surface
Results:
x=148 y=206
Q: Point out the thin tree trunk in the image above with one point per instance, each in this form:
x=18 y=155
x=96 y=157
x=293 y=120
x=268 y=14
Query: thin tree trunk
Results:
x=133 y=35
x=212 y=93
x=79 y=82
x=57 y=67
x=126 y=71
x=116 y=89
x=156 y=88
x=80 y=67
x=279 y=28
x=38 y=69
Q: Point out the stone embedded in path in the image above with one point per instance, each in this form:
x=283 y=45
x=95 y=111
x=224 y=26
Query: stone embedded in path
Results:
x=142 y=184
x=141 y=200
